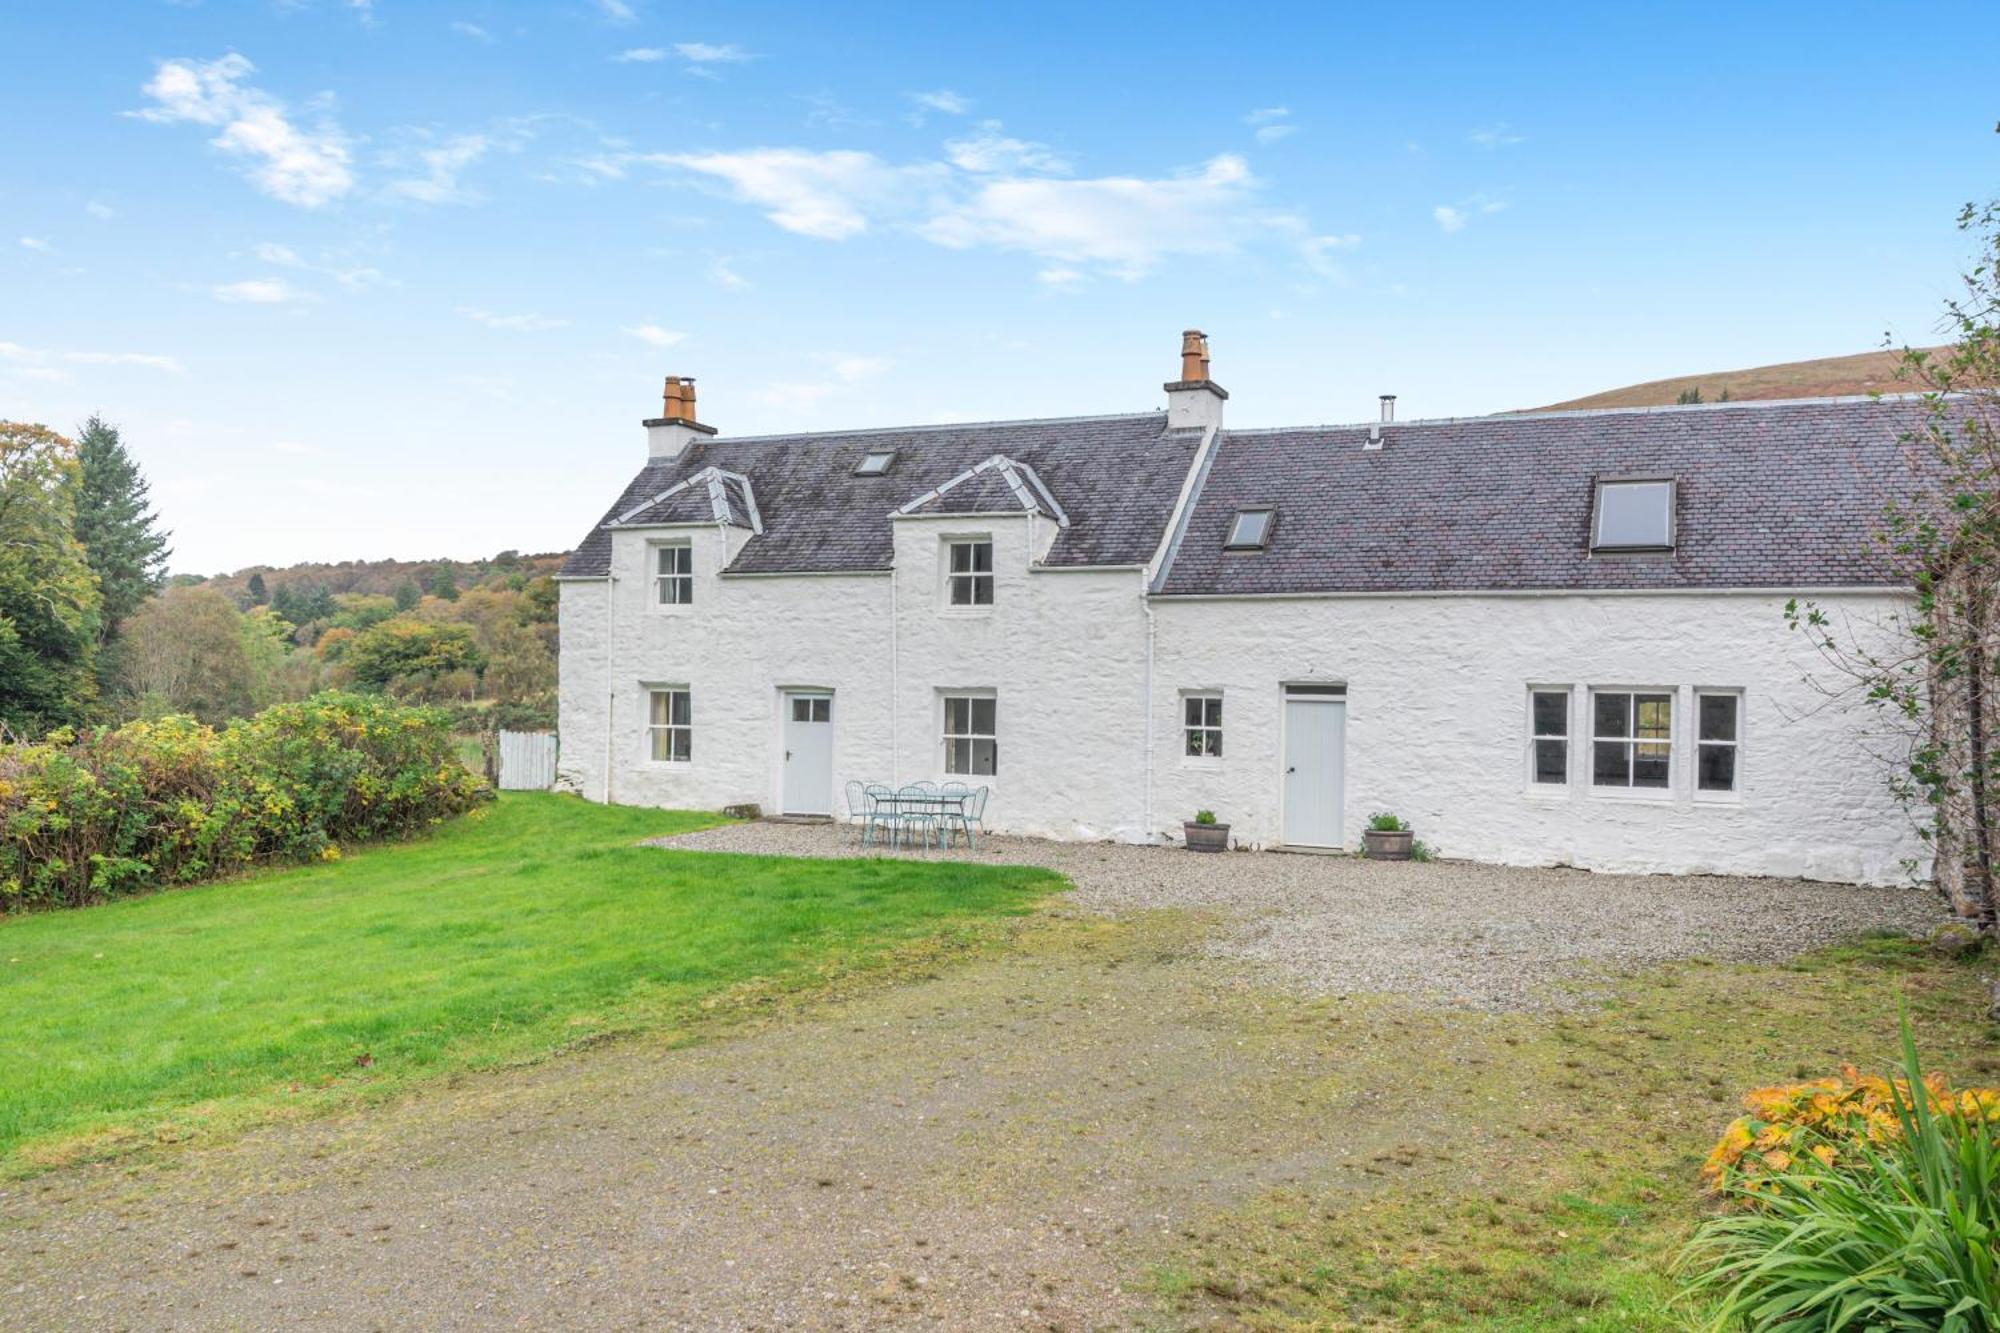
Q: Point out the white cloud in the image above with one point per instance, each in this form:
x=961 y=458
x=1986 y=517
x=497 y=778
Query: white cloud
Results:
x=1124 y=223
x=282 y=255
x=1455 y=217
x=296 y=448
x=856 y=369
x=830 y=195
x=1059 y=276
x=704 y=53
x=617 y=11
x=1266 y=114
x=941 y=100
x=1501 y=135
x=441 y=167
x=1319 y=250
x=306 y=168
x=102 y=212
x=145 y=360
x=655 y=336
x=640 y=55
x=33 y=362
x=1273 y=133
x=1272 y=123
x=845 y=374
x=259 y=291
x=472 y=30
x=512 y=323
x=991 y=151
x=36 y=243
x=725 y=276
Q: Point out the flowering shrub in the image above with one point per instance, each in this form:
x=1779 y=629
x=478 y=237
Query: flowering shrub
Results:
x=172 y=801
x=1834 y=1120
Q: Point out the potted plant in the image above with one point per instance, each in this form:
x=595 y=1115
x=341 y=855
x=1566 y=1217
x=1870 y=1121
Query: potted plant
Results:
x=1204 y=834
x=1387 y=838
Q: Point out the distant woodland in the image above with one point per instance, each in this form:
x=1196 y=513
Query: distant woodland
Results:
x=94 y=632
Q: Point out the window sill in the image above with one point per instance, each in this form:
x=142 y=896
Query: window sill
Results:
x=965 y=612
x=1635 y=795
x=1207 y=763
x=1725 y=799
x=666 y=763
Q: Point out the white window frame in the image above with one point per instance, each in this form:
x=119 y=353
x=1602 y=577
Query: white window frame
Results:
x=658 y=731
x=682 y=580
x=1568 y=738
x=888 y=457
x=970 y=578
x=1628 y=791
x=1735 y=791
x=946 y=698
x=1202 y=755
x=1233 y=540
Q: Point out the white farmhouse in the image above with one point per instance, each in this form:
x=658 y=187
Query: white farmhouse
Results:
x=1547 y=638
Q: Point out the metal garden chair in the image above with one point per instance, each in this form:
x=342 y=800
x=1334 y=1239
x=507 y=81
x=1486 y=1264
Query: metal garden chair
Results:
x=879 y=814
x=971 y=813
x=857 y=805
x=921 y=816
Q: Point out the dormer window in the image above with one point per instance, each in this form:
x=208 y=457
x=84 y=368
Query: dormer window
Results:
x=1251 y=530
x=1636 y=515
x=875 y=462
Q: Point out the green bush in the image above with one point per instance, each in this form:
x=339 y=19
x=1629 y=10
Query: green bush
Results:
x=1387 y=823
x=171 y=801
x=1896 y=1230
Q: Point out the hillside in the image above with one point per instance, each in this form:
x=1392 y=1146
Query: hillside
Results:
x=1829 y=376
x=383 y=577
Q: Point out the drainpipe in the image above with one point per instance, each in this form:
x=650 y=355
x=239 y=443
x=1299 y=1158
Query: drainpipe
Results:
x=895 y=671
x=1146 y=711
x=610 y=689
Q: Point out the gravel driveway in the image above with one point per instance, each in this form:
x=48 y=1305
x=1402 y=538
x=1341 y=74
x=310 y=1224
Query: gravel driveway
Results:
x=1489 y=937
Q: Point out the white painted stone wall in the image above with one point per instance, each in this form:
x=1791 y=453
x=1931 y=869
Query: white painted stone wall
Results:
x=1062 y=652
x=1437 y=728
x=1437 y=699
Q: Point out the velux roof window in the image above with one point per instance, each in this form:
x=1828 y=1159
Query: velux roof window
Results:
x=1251 y=530
x=1634 y=516
x=875 y=462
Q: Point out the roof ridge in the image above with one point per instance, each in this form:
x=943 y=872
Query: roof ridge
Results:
x=716 y=440
x=1658 y=409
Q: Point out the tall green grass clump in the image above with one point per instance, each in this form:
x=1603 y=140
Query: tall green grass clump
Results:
x=1875 y=1205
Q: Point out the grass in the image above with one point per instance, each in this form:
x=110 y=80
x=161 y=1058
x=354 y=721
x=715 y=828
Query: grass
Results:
x=1863 y=372
x=1546 y=1176
x=508 y=935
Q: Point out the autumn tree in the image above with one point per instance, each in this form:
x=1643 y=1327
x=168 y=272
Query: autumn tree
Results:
x=48 y=595
x=188 y=651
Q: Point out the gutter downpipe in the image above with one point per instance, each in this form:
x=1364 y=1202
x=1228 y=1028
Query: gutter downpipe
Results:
x=610 y=689
x=1146 y=712
x=895 y=673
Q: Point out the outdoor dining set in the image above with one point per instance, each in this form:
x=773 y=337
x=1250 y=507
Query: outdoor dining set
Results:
x=925 y=813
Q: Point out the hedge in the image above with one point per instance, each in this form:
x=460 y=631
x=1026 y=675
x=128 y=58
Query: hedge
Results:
x=157 y=803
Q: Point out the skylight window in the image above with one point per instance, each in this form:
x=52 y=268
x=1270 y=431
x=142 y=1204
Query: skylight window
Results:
x=875 y=463
x=1251 y=531
x=1634 y=516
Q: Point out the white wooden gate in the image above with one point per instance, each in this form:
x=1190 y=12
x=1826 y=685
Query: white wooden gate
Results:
x=527 y=760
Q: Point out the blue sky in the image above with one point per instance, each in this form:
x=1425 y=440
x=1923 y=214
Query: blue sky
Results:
x=401 y=278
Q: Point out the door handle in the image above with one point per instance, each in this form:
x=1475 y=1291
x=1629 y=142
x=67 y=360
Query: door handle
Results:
x=788 y=756
x=1293 y=769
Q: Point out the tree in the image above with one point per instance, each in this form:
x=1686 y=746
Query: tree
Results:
x=408 y=594
x=411 y=655
x=115 y=522
x=444 y=584
x=188 y=651
x=1938 y=671
x=1687 y=397
x=258 y=595
x=48 y=594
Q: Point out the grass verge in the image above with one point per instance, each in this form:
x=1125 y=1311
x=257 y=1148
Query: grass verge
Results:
x=510 y=934
x=1546 y=1175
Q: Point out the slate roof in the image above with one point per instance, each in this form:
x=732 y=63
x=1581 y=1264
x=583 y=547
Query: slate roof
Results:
x=1116 y=477
x=1771 y=495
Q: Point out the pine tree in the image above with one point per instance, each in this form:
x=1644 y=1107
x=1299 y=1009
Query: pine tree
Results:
x=408 y=594
x=444 y=584
x=116 y=524
x=255 y=587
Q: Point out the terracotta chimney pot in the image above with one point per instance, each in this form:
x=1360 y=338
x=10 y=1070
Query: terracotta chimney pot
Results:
x=1194 y=356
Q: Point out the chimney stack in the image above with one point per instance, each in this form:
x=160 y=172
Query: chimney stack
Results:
x=1194 y=401
x=668 y=434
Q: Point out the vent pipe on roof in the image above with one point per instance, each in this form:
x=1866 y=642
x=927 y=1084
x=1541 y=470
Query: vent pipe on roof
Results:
x=1388 y=404
x=668 y=434
x=1388 y=415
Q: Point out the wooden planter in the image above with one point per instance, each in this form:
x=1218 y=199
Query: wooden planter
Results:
x=1385 y=845
x=1206 y=837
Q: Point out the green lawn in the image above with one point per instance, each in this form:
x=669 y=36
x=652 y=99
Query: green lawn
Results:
x=507 y=935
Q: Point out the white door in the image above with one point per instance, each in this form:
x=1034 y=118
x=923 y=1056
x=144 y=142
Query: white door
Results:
x=808 y=782
x=1315 y=727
